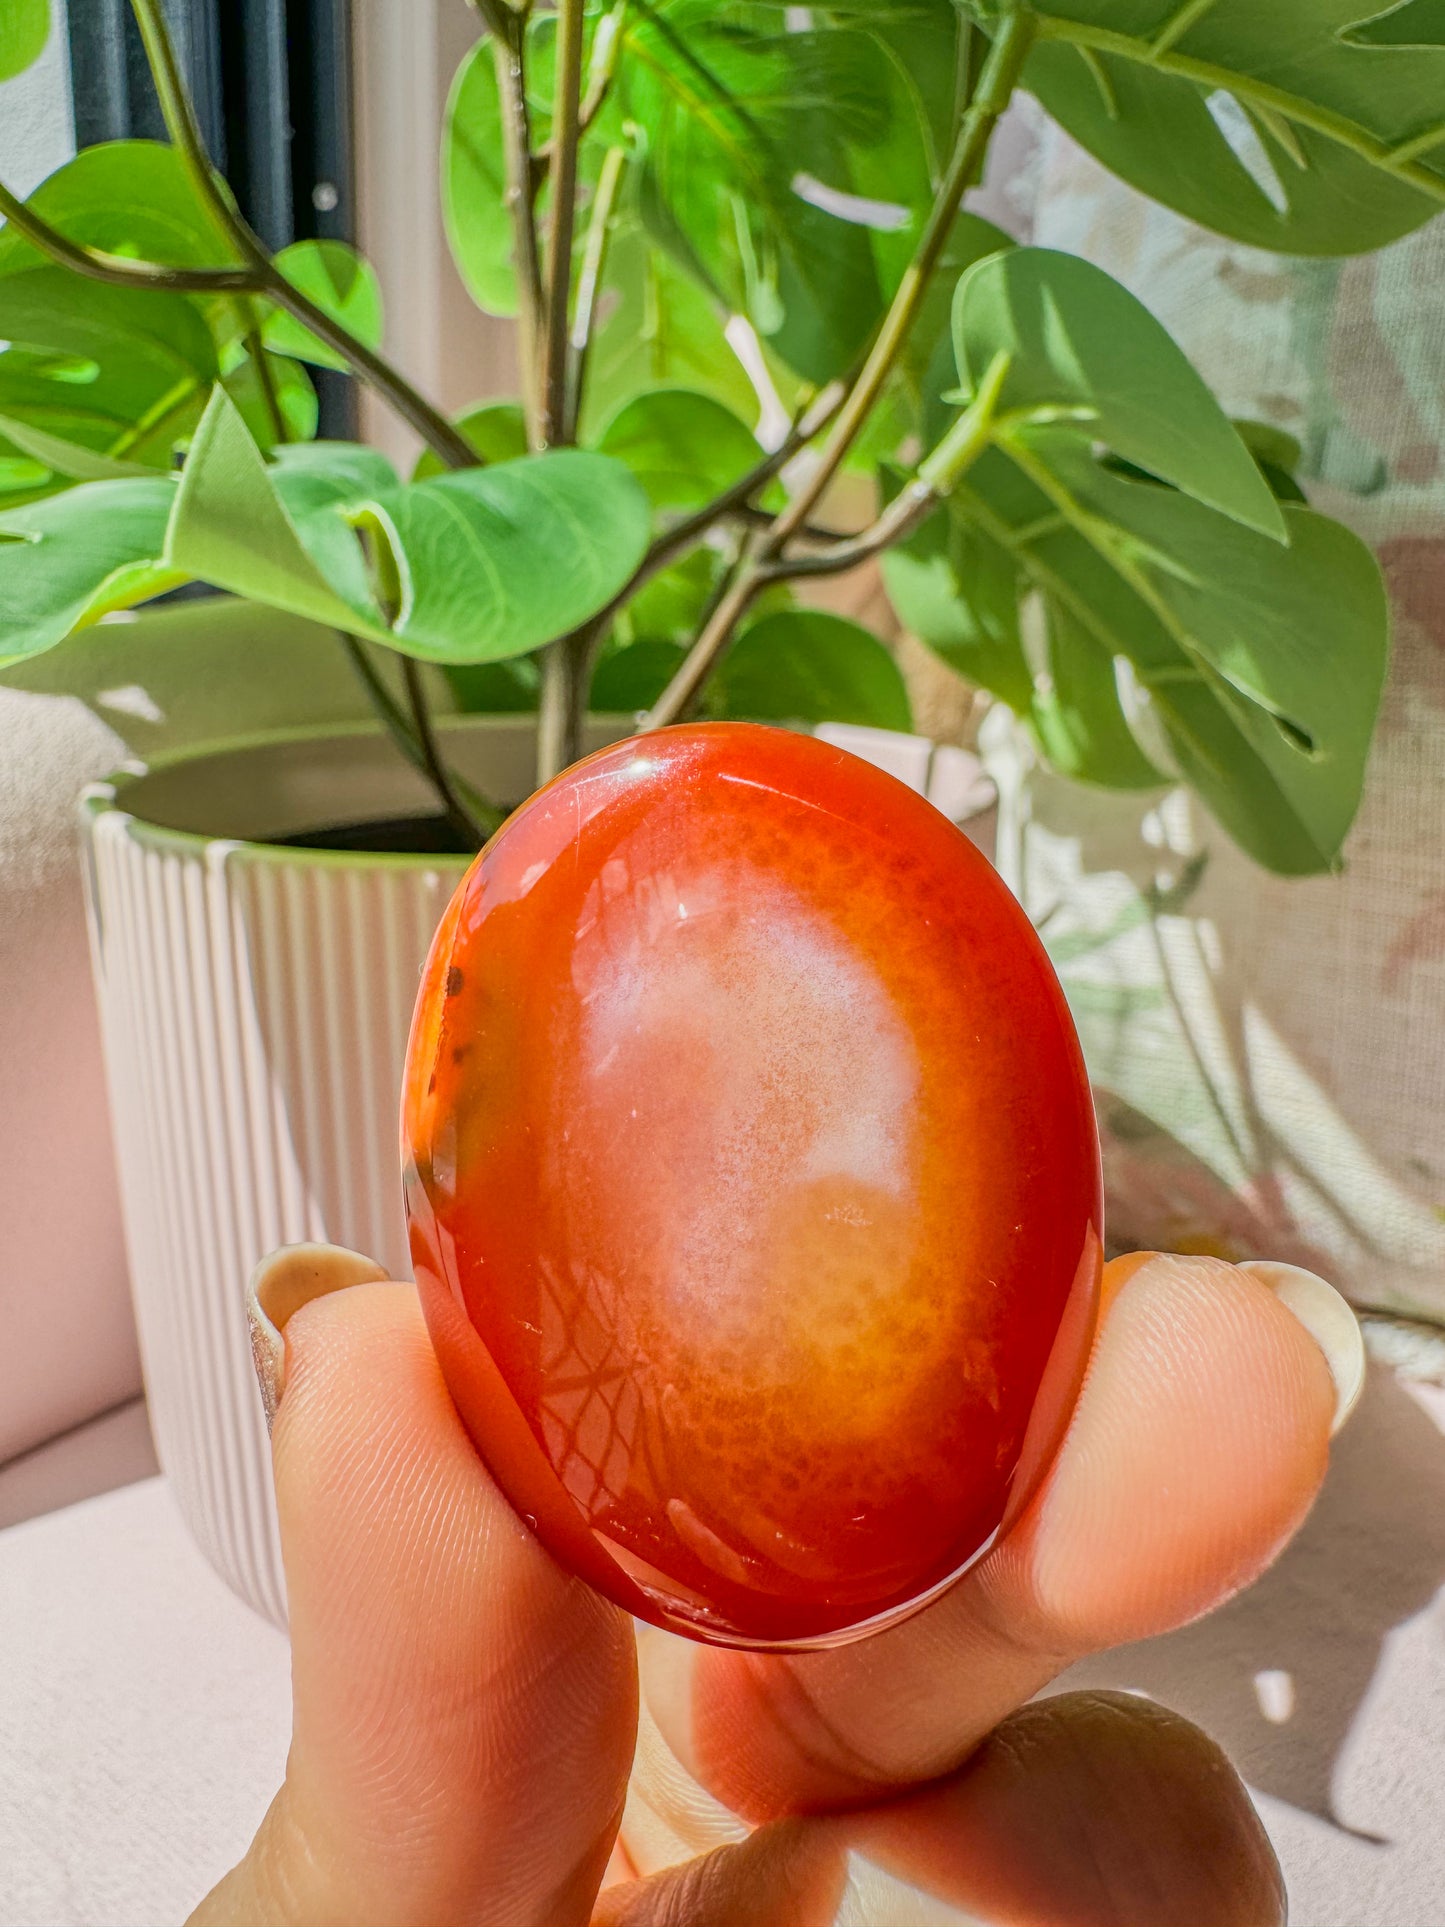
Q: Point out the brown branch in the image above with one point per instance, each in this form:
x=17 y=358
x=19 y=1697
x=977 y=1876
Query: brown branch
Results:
x=508 y=30
x=755 y=518
x=686 y=534
x=429 y=422
x=995 y=88
x=898 y=520
x=458 y=815
x=185 y=131
x=566 y=112
x=118 y=270
x=602 y=69
x=936 y=477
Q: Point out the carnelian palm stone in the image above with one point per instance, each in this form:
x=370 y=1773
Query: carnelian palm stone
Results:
x=753 y=1184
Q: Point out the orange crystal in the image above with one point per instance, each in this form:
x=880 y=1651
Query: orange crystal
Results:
x=753 y=1184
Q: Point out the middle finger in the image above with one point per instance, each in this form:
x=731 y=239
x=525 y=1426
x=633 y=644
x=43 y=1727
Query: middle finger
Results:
x=1199 y=1441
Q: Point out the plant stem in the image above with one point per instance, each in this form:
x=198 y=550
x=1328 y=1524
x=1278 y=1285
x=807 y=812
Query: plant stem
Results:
x=995 y=88
x=266 y=381
x=562 y=700
x=589 y=283
x=434 y=428
x=185 y=131
x=120 y=270
x=257 y=274
x=458 y=814
x=601 y=70
x=936 y=478
x=562 y=695
x=508 y=30
x=969 y=38
x=468 y=814
x=382 y=701
x=567 y=664
x=689 y=532
x=265 y=278
x=436 y=431
x=752 y=517
x=566 y=135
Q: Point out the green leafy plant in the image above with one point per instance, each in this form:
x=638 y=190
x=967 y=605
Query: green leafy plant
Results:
x=705 y=217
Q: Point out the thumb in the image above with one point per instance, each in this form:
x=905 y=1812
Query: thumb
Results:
x=463 y=1712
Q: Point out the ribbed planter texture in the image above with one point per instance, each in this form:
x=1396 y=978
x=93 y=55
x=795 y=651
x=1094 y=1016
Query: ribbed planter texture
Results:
x=255 y=1001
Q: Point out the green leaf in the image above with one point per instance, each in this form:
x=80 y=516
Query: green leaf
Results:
x=474 y=184
x=66 y=396
x=1269 y=444
x=127 y=197
x=957 y=590
x=65 y=561
x=309 y=476
x=72 y=459
x=469 y=567
x=494 y=562
x=1410 y=23
x=493 y=688
x=24 y=30
x=1263 y=663
x=1278 y=455
x=153 y=338
x=475 y=210
x=1299 y=129
x=749 y=175
x=340 y=282
x=300 y=411
x=671 y=606
x=320 y=484
x=921 y=38
x=805 y=665
x=1076 y=713
x=684 y=448
x=891 y=164
x=23 y=480
x=1078 y=340
x=629 y=680
x=656 y=326
x=1303 y=635
x=926 y=365
x=230 y=527
x=122 y=370
x=496 y=430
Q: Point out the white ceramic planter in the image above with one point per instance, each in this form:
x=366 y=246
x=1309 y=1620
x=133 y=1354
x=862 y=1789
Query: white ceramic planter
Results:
x=255 y=1001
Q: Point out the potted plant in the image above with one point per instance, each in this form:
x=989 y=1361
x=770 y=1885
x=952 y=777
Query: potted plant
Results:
x=735 y=244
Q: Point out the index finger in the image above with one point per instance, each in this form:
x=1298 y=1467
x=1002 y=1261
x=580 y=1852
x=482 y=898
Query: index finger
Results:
x=463 y=1710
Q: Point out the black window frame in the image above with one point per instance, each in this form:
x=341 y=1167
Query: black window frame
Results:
x=271 y=82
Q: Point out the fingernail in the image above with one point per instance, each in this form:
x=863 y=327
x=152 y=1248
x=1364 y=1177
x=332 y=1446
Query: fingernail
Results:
x=280 y=1285
x=1329 y=1321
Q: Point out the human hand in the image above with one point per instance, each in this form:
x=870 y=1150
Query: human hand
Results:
x=465 y=1713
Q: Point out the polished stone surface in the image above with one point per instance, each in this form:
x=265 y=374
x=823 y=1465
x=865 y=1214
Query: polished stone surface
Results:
x=753 y=1183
